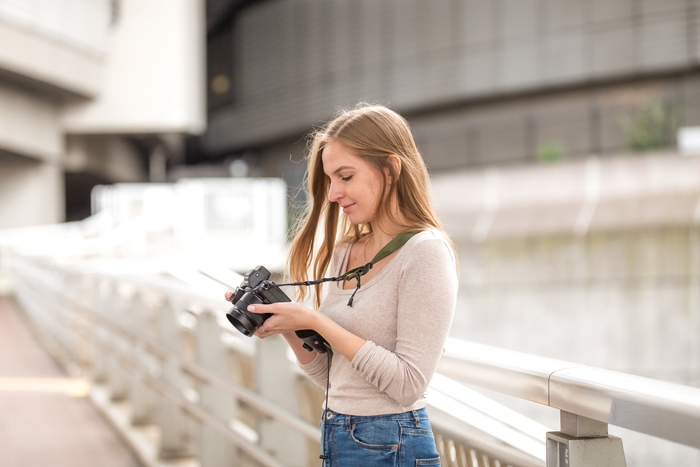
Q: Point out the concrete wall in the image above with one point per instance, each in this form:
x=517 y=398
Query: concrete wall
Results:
x=595 y=262
x=78 y=80
x=31 y=192
x=626 y=301
x=55 y=44
x=154 y=73
x=29 y=124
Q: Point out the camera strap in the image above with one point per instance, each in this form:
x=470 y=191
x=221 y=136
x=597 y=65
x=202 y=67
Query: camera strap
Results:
x=355 y=273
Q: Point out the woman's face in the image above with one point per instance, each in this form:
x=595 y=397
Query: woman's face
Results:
x=354 y=184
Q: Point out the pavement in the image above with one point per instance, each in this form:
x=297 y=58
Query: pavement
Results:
x=46 y=417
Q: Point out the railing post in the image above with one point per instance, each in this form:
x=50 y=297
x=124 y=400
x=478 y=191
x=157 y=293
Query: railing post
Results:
x=275 y=381
x=175 y=436
x=118 y=306
x=140 y=395
x=583 y=442
x=100 y=335
x=215 y=450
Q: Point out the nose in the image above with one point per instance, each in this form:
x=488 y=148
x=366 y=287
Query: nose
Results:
x=334 y=193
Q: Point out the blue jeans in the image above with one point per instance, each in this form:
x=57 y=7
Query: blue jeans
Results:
x=395 y=440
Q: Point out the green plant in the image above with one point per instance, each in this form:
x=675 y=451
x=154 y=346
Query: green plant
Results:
x=652 y=127
x=550 y=151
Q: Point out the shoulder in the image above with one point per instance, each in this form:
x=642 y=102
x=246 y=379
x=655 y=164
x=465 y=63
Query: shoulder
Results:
x=429 y=262
x=430 y=246
x=431 y=241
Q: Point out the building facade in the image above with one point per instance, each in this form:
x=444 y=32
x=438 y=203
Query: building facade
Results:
x=482 y=82
x=93 y=92
x=549 y=129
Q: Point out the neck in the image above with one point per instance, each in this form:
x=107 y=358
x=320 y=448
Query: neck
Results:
x=383 y=234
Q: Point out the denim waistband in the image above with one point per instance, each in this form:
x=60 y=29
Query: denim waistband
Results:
x=334 y=418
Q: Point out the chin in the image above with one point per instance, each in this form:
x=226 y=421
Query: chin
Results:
x=354 y=220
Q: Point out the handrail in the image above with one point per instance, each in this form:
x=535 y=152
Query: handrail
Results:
x=506 y=437
x=462 y=413
x=259 y=403
x=661 y=409
x=664 y=410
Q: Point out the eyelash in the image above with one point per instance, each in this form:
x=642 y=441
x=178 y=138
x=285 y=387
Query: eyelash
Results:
x=345 y=179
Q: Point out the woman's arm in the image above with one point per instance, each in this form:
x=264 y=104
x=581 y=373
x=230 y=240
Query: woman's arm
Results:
x=288 y=317
x=426 y=300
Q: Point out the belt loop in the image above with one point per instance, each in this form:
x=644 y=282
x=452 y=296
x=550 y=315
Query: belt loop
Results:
x=348 y=423
x=415 y=417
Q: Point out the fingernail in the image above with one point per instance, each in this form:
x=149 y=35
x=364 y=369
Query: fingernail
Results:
x=251 y=307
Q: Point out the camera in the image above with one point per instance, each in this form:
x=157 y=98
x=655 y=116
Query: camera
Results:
x=258 y=288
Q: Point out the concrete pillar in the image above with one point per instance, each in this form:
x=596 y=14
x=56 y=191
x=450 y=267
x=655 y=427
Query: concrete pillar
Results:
x=174 y=428
x=215 y=450
x=141 y=396
x=276 y=382
x=583 y=442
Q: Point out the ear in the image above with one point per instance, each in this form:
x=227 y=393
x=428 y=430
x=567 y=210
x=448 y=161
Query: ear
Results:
x=396 y=162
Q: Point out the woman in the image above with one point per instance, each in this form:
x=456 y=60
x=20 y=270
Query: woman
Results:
x=385 y=346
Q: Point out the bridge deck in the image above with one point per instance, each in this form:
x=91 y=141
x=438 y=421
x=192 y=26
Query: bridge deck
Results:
x=45 y=417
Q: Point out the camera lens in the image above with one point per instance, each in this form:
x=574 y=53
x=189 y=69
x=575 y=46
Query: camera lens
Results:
x=243 y=320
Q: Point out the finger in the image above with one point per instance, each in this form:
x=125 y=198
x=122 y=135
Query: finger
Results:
x=228 y=295
x=259 y=308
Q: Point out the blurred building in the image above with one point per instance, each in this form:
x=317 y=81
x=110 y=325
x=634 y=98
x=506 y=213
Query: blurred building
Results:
x=482 y=82
x=556 y=121
x=549 y=129
x=93 y=92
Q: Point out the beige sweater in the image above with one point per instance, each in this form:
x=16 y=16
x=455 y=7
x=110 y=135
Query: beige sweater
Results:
x=404 y=313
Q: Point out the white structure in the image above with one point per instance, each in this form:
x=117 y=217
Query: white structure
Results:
x=238 y=223
x=77 y=79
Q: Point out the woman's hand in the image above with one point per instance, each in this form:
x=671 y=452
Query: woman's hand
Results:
x=286 y=318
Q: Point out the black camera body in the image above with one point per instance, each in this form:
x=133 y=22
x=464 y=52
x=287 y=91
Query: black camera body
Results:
x=258 y=288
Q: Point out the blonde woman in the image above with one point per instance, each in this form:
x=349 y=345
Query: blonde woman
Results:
x=387 y=325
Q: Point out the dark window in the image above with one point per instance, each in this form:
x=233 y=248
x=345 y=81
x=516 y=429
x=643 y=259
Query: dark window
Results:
x=220 y=68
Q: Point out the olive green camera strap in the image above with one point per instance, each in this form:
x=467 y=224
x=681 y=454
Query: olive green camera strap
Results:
x=395 y=243
x=355 y=273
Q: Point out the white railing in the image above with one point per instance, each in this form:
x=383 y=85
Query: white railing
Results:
x=160 y=348
x=147 y=327
x=589 y=398
x=661 y=409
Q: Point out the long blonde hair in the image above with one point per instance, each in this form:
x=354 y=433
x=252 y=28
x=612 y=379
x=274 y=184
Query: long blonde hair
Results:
x=372 y=132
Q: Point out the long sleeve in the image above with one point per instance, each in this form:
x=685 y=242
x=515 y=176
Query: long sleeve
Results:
x=426 y=299
x=404 y=313
x=317 y=369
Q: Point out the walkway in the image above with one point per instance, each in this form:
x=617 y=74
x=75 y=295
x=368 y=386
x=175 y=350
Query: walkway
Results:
x=46 y=420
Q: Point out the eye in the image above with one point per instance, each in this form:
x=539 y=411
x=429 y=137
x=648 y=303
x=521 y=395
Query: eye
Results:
x=346 y=178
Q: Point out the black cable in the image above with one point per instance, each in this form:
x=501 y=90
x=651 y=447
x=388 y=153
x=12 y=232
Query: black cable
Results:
x=323 y=455
x=355 y=273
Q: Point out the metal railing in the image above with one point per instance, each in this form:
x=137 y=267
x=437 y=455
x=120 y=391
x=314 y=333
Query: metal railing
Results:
x=661 y=409
x=160 y=348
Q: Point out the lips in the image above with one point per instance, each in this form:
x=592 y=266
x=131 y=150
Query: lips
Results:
x=347 y=207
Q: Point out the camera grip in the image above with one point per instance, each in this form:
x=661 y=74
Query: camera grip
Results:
x=313 y=340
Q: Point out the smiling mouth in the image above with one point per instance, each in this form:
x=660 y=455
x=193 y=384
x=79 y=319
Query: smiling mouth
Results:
x=346 y=207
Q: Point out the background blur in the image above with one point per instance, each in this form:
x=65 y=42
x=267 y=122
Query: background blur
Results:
x=558 y=134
